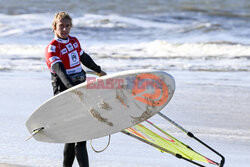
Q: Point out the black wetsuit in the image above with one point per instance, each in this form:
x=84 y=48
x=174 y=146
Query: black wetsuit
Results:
x=60 y=82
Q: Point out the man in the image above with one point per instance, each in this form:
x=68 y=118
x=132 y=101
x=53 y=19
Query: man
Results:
x=64 y=56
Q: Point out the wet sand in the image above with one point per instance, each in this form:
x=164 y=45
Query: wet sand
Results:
x=214 y=106
x=11 y=165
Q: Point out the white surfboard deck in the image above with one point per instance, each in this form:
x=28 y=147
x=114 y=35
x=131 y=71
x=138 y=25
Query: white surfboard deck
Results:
x=95 y=109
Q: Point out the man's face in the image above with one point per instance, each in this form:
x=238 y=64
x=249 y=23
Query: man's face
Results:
x=62 y=28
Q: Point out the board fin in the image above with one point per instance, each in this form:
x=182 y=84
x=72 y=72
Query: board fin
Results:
x=34 y=132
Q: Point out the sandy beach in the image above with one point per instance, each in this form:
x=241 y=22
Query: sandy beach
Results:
x=11 y=165
x=214 y=106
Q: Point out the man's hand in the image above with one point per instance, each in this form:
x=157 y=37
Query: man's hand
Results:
x=102 y=73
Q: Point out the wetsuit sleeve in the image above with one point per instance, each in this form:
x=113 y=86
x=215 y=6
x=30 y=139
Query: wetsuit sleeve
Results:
x=89 y=62
x=60 y=71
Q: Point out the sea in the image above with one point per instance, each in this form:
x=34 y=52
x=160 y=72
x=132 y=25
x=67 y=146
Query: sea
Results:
x=203 y=44
x=207 y=35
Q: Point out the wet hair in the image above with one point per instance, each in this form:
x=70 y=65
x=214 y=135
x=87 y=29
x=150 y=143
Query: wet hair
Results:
x=59 y=16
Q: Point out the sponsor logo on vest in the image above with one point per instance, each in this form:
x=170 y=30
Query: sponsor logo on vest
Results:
x=52 y=48
x=64 y=50
x=73 y=58
x=51 y=59
x=75 y=45
x=69 y=47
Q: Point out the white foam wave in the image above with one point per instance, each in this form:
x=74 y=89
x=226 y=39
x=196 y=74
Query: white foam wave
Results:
x=22 y=57
x=23 y=24
x=164 y=49
x=187 y=56
x=117 y=21
x=156 y=54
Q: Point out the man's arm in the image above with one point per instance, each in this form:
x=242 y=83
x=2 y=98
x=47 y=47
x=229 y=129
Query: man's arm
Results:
x=60 y=71
x=89 y=62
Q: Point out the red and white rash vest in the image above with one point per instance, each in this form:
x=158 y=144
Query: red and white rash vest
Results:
x=66 y=51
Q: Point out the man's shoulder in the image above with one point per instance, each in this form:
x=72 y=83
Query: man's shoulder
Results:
x=73 y=38
x=53 y=42
x=51 y=47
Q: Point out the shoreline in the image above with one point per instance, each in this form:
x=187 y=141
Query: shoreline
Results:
x=212 y=105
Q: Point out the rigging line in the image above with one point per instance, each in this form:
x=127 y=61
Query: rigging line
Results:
x=167 y=133
x=171 y=121
x=197 y=139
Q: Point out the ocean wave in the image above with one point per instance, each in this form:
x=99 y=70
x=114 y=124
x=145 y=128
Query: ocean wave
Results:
x=165 y=49
x=221 y=56
x=123 y=21
x=213 y=11
x=26 y=23
x=112 y=27
x=23 y=24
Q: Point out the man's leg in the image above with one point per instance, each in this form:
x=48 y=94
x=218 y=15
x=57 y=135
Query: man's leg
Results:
x=82 y=154
x=69 y=154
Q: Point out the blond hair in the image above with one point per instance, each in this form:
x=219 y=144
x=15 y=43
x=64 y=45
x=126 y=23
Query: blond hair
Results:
x=59 y=16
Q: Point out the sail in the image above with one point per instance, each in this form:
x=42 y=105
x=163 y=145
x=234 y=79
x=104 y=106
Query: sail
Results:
x=166 y=143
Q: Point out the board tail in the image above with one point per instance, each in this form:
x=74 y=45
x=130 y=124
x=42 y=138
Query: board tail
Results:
x=167 y=143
